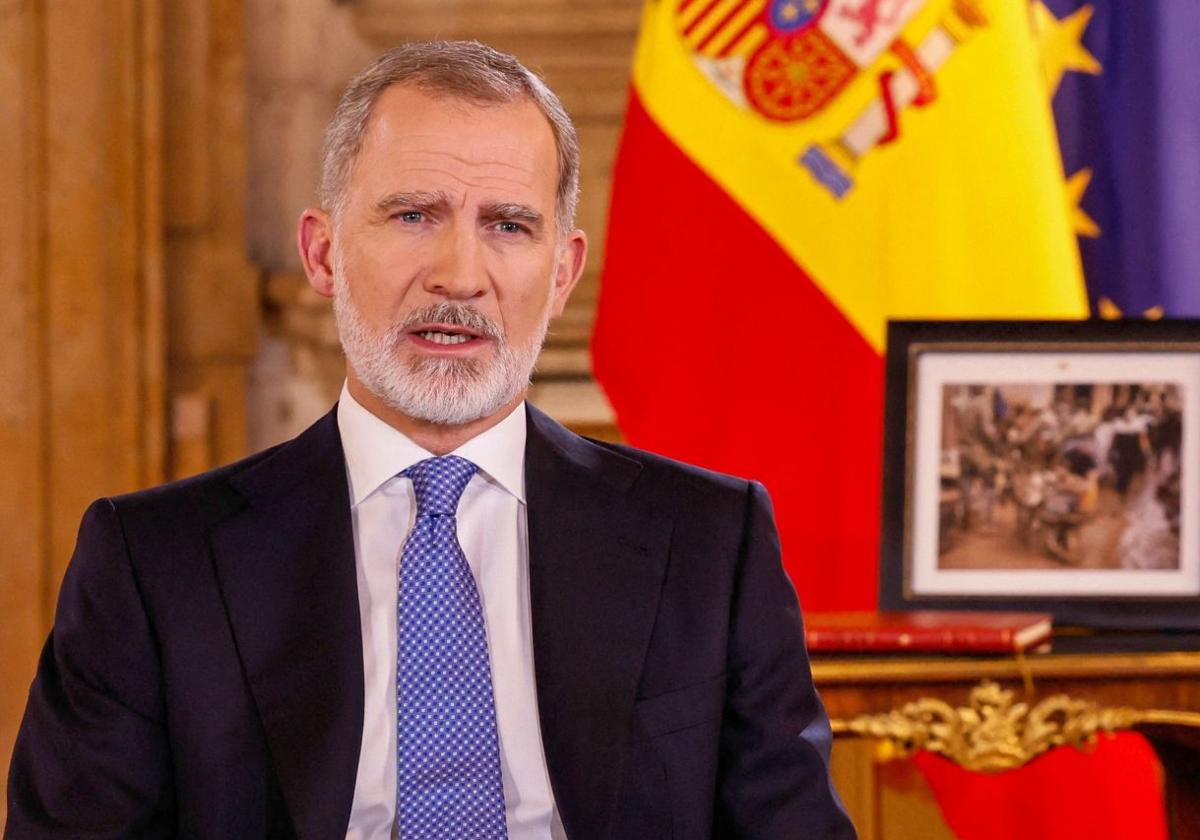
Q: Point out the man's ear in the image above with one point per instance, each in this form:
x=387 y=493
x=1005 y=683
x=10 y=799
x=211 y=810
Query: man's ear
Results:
x=314 y=238
x=572 y=257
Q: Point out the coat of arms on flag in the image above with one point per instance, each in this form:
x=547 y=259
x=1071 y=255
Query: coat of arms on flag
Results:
x=718 y=226
x=793 y=173
x=787 y=59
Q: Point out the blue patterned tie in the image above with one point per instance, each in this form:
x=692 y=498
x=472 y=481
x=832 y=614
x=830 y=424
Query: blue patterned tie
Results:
x=448 y=781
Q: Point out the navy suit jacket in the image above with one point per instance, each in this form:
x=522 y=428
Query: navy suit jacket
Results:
x=204 y=674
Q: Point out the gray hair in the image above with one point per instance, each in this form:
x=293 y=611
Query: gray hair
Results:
x=467 y=70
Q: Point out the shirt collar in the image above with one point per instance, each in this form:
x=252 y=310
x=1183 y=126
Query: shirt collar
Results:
x=376 y=452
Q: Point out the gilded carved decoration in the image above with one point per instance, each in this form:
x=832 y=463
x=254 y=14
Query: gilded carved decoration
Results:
x=994 y=732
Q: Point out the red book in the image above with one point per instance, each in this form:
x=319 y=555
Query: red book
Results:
x=925 y=630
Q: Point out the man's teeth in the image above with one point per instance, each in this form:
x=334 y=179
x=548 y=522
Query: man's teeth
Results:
x=445 y=338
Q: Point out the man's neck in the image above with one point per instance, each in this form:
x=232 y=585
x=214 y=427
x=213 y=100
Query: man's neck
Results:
x=437 y=438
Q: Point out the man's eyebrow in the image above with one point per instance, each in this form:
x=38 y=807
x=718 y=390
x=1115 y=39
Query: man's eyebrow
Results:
x=412 y=201
x=512 y=212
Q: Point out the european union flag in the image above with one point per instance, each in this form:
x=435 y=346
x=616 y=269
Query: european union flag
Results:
x=1127 y=104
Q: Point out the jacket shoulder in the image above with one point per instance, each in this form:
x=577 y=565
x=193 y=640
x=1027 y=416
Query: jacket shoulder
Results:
x=667 y=481
x=199 y=491
x=689 y=491
x=211 y=495
x=662 y=467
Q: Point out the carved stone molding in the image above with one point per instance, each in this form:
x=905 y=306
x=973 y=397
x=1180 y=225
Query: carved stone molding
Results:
x=551 y=19
x=994 y=732
x=582 y=47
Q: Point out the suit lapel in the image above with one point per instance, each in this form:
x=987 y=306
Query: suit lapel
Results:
x=596 y=564
x=285 y=564
x=286 y=570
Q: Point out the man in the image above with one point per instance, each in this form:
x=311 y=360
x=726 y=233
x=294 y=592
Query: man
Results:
x=436 y=613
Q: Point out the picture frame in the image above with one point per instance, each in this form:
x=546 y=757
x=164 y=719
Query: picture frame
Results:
x=1049 y=466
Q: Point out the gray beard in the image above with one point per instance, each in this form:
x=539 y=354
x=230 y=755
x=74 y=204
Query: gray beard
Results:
x=447 y=392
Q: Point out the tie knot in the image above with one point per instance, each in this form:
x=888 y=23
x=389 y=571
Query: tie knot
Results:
x=439 y=483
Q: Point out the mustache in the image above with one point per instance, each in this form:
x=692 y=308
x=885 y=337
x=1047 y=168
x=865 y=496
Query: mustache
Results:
x=452 y=315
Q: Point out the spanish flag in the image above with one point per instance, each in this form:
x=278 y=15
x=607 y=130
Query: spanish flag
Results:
x=792 y=174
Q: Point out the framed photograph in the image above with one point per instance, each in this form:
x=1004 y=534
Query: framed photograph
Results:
x=1050 y=466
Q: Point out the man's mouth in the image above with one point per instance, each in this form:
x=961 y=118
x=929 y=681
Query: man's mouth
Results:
x=438 y=337
x=444 y=335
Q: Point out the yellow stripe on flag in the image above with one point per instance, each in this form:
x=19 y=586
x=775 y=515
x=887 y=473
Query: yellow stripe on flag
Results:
x=961 y=215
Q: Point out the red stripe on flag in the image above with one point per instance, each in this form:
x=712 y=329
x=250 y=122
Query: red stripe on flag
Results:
x=715 y=347
x=691 y=27
x=732 y=42
x=721 y=24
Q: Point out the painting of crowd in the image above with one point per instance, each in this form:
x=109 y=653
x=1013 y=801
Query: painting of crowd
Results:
x=1060 y=476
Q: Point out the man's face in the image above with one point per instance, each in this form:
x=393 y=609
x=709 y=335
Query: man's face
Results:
x=446 y=261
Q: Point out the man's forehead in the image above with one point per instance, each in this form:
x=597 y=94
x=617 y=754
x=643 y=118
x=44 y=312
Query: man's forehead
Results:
x=417 y=134
x=431 y=167
x=456 y=146
x=406 y=114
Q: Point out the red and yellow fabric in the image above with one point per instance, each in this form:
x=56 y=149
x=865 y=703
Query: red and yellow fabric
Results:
x=792 y=174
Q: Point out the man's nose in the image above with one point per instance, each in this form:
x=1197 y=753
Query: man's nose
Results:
x=460 y=269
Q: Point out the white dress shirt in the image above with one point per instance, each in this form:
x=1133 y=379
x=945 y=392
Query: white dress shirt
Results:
x=492 y=532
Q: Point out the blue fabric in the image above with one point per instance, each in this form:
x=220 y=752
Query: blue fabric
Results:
x=1137 y=126
x=448 y=781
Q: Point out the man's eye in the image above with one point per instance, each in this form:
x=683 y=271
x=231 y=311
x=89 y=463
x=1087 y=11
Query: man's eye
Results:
x=509 y=227
x=411 y=216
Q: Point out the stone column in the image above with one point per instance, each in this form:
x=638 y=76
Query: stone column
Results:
x=82 y=352
x=131 y=309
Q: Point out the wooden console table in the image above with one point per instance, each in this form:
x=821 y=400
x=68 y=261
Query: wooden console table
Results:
x=1156 y=693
